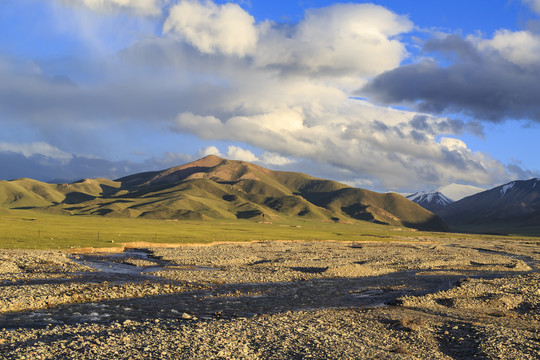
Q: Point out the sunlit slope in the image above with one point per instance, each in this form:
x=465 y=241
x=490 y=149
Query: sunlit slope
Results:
x=215 y=188
x=22 y=193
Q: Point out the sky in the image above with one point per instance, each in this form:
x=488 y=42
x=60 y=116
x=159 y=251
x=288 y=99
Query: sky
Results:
x=387 y=95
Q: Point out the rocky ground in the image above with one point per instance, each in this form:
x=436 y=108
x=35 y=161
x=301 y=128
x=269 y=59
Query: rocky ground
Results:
x=433 y=298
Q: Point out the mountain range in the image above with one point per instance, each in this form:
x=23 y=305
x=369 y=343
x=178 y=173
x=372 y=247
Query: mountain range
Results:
x=216 y=188
x=439 y=198
x=432 y=200
x=515 y=205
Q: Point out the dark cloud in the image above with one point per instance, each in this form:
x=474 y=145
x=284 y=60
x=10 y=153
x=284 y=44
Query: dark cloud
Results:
x=436 y=126
x=419 y=137
x=520 y=173
x=133 y=91
x=480 y=84
x=453 y=47
x=458 y=161
x=420 y=122
x=44 y=168
x=456 y=126
x=14 y=166
x=380 y=126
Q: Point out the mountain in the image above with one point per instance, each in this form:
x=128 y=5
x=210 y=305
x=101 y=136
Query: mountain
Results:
x=216 y=188
x=506 y=207
x=457 y=192
x=439 y=198
x=431 y=201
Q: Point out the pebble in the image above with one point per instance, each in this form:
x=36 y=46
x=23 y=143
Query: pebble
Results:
x=456 y=323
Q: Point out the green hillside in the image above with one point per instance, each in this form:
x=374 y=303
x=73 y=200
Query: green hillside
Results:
x=215 y=188
x=28 y=193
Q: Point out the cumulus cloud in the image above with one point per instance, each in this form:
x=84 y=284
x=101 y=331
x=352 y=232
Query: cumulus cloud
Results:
x=271 y=158
x=233 y=153
x=140 y=7
x=453 y=144
x=208 y=150
x=518 y=47
x=372 y=144
x=237 y=153
x=283 y=90
x=212 y=28
x=340 y=40
x=488 y=79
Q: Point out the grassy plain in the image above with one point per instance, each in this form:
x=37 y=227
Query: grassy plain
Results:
x=24 y=229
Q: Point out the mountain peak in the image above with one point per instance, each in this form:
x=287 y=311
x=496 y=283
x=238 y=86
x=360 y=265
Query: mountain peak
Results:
x=457 y=192
x=432 y=200
x=437 y=199
x=518 y=185
x=208 y=161
x=209 y=167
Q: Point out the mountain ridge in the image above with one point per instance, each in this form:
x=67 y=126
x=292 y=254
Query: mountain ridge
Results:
x=432 y=200
x=217 y=188
x=442 y=196
x=511 y=205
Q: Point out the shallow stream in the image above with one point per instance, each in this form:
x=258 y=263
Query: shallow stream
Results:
x=227 y=300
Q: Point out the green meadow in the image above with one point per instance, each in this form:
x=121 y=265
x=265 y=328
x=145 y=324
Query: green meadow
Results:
x=26 y=229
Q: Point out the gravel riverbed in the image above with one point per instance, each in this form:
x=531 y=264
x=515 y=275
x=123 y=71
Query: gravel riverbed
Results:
x=433 y=298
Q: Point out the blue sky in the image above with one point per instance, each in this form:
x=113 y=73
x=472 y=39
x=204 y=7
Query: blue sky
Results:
x=386 y=95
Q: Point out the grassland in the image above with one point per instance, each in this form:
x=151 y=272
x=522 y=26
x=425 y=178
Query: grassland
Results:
x=26 y=229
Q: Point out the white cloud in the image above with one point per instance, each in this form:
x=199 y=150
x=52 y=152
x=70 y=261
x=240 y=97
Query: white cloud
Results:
x=237 y=153
x=281 y=119
x=36 y=148
x=208 y=150
x=339 y=40
x=453 y=144
x=271 y=158
x=140 y=7
x=212 y=28
x=520 y=47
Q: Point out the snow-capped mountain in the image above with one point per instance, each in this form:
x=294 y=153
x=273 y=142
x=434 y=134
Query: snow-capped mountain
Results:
x=432 y=200
x=457 y=192
x=436 y=199
x=516 y=203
